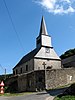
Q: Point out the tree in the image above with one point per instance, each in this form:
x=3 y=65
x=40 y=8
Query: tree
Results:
x=68 y=53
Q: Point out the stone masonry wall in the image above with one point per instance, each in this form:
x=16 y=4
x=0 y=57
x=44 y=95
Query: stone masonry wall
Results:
x=32 y=81
x=59 y=77
x=22 y=82
x=39 y=79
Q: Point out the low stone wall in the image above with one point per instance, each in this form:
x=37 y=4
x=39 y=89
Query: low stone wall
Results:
x=22 y=82
x=59 y=77
x=32 y=81
x=41 y=79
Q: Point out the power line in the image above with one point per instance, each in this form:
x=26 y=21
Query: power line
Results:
x=4 y=70
x=2 y=67
x=13 y=24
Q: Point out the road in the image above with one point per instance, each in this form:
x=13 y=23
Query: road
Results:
x=45 y=95
x=35 y=96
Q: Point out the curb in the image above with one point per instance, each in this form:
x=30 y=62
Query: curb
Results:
x=50 y=98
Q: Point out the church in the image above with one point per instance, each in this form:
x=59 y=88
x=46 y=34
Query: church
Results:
x=41 y=68
x=43 y=56
x=33 y=65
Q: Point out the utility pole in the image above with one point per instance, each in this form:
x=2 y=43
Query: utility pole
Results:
x=44 y=64
x=4 y=71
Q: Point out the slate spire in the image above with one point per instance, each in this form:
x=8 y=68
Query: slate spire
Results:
x=43 y=29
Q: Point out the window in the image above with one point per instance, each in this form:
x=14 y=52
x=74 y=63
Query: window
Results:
x=16 y=71
x=26 y=67
x=21 y=70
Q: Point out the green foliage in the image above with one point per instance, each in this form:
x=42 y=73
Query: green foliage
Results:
x=5 y=77
x=12 y=88
x=68 y=53
x=68 y=94
x=67 y=97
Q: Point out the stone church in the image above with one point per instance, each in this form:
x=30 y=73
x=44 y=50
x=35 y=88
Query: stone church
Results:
x=43 y=54
x=41 y=68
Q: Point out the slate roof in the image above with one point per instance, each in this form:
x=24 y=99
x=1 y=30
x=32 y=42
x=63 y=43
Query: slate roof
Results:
x=43 y=29
x=27 y=57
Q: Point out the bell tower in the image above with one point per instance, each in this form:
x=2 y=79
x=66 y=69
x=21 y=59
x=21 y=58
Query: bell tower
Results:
x=43 y=40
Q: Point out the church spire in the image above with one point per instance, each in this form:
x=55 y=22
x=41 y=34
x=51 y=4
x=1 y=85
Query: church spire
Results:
x=43 y=29
x=43 y=39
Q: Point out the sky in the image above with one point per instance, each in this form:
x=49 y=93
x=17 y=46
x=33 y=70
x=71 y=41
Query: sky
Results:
x=20 y=24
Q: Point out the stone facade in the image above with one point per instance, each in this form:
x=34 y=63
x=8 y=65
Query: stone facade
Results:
x=59 y=77
x=33 y=81
x=51 y=64
x=24 y=67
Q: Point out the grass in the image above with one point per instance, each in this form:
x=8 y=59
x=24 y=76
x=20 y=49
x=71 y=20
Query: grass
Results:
x=16 y=94
x=67 y=97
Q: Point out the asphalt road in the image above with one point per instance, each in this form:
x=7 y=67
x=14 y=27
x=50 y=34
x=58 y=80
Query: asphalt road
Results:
x=35 y=96
x=45 y=95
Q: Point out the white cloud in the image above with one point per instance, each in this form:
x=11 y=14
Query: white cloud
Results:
x=58 y=6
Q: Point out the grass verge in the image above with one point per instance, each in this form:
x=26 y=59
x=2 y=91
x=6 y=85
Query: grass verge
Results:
x=67 y=97
x=16 y=94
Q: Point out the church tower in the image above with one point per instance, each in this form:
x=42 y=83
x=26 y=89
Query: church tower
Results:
x=46 y=52
x=43 y=39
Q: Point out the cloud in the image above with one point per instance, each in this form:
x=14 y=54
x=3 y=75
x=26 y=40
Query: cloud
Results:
x=57 y=6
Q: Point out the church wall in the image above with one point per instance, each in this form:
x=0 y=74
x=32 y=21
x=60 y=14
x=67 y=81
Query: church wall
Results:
x=54 y=64
x=59 y=77
x=22 y=68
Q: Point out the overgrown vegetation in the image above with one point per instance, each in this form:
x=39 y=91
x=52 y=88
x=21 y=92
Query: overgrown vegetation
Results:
x=16 y=94
x=67 y=97
x=4 y=77
x=11 y=88
x=68 y=94
x=68 y=53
